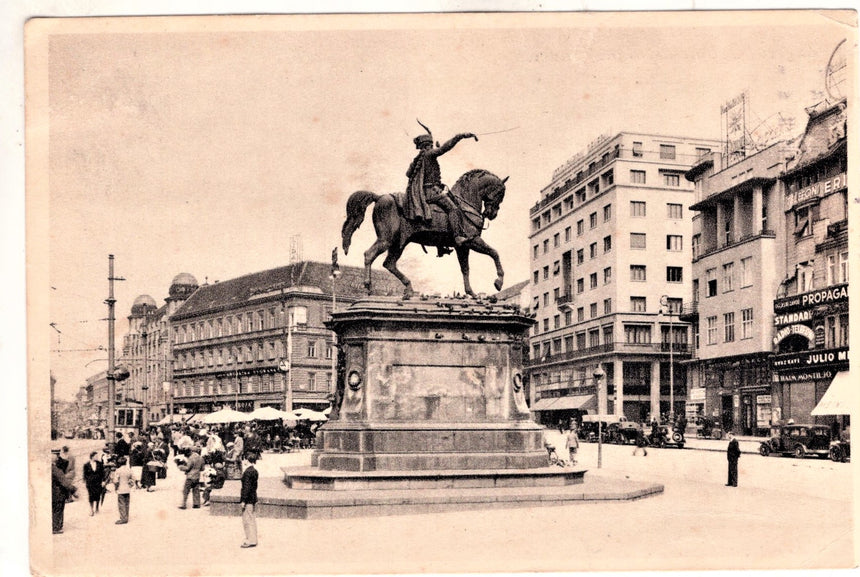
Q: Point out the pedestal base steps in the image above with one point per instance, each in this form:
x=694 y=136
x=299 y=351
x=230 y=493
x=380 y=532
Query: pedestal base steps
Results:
x=308 y=493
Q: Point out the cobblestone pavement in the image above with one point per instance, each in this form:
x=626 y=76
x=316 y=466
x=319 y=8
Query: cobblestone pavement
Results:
x=786 y=513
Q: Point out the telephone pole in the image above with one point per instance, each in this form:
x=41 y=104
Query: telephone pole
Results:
x=111 y=377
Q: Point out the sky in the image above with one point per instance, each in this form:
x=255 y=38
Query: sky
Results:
x=208 y=146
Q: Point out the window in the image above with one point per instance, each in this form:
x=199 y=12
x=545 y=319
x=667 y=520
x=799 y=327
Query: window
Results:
x=536 y=224
x=535 y=251
x=711 y=280
x=593 y=310
x=568 y=317
x=568 y=203
x=671 y=179
x=637 y=149
x=637 y=208
x=843 y=267
x=555 y=240
x=637 y=240
x=843 y=331
x=728 y=277
x=667 y=151
x=592 y=250
x=592 y=280
x=594 y=187
x=545 y=325
x=607 y=244
x=607 y=213
x=608 y=178
x=580 y=285
x=592 y=220
x=312 y=349
x=729 y=322
x=637 y=272
x=580 y=256
x=556 y=211
x=746 y=272
x=580 y=314
x=580 y=194
x=607 y=335
x=638 y=304
x=674 y=274
x=580 y=227
x=546 y=272
x=536 y=276
x=556 y=268
x=594 y=338
x=607 y=275
x=832 y=274
x=607 y=306
x=536 y=303
x=637 y=177
x=746 y=323
x=697 y=246
x=567 y=232
x=555 y=294
x=676 y=211
x=831 y=332
x=328 y=351
x=674 y=242
x=546 y=246
x=729 y=239
x=556 y=322
x=546 y=299
x=580 y=341
x=637 y=334
x=701 y=152
x=674 y=306
x=712 y=330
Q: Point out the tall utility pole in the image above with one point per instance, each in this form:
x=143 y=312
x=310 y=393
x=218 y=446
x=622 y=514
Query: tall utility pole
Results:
x=111 y=408
x=288 y=342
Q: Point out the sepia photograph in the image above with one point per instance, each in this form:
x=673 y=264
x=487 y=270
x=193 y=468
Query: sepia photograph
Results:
x=443 y=292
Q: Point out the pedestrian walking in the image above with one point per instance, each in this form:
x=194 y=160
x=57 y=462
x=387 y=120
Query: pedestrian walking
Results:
x=94 y=473
x=71 y=471
x=123 y=483
x=733 y=453
x=61 y=488
x=572 y=444
x=249 y=501
x=192 y=467
x=641 y=443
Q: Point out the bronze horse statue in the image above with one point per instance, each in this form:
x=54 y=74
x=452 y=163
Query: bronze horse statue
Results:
x=478 y=193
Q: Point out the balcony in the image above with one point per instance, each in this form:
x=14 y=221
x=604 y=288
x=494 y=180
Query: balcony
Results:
x=689 y=312
x=564 y=301
x=704 y=252
x=621 y=348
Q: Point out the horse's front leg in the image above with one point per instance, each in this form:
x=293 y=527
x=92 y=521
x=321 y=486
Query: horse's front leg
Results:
x=463 y=257
x=478 y=245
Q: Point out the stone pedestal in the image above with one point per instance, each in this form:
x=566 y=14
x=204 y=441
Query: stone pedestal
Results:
x=431 y=385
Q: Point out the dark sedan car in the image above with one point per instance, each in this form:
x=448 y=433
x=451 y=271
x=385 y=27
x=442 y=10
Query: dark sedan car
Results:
x=797 y=440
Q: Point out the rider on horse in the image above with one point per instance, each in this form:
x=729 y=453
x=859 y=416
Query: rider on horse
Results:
x=425 y=185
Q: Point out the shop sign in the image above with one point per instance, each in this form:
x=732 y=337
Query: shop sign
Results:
x=697 y=394
x=791 y=318
x=829 y=295
x=801 y=330
x=820 y=188
x=811 y=358
x=805 y=376
x=762 y=399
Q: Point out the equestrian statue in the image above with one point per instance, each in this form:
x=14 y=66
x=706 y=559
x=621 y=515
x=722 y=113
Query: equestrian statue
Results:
x=429 y=214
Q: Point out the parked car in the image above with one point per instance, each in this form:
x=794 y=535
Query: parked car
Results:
x=797 y=440
x=666 y=436
x=591 y=424
x=840 y=450
x=623 y=432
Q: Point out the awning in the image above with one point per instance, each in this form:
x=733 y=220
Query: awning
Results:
x=543 y=404
x=837 y=399
x=575 y=402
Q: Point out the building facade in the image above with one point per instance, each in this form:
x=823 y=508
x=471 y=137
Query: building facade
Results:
x=609 y=244
x=810 y=344
x=259 y=340
x=738 y=262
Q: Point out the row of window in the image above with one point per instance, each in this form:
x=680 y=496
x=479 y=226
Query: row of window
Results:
x=745 y=278
x=729 y=334
x=269 y=350
x=634 y=334
x=239 y=323
x=638 y=209
x=638 y=304
x=268 y=383
x=669 y=179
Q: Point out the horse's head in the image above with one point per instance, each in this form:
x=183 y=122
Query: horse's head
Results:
x=492 y=195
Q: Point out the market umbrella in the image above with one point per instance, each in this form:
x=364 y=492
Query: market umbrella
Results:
x=308 y=415
x=269 y=414
x=226 y=416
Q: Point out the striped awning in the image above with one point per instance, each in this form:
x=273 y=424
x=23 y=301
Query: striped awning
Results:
x=544 y=404
x=837 y=399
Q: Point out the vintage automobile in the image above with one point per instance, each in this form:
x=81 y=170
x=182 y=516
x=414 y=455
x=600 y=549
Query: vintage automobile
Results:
x=623 y=432
x=797 y=440
x=666 y=436
x=592 y=423
x=840 y=450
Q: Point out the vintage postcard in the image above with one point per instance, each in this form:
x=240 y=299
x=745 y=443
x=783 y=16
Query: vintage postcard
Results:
x=441 y=293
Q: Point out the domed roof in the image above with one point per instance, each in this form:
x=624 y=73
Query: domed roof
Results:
x=183 y=285
x=142 y=305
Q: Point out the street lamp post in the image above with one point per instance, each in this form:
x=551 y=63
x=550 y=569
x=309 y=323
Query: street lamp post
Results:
x=145 y=387
x=664 y=301
x=598 y=376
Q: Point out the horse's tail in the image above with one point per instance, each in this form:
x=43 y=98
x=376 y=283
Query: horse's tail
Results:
x=356 y=206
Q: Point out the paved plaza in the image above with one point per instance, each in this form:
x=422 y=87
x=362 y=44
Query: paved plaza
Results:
x=786 y=513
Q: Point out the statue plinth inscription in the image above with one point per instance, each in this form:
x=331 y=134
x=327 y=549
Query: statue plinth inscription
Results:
x=430 y=384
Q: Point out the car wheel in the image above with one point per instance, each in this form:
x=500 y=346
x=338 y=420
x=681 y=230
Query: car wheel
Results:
x=676 y=437
x=717 y=435
x=799 y=451
x=835 y=454
x=764 y=450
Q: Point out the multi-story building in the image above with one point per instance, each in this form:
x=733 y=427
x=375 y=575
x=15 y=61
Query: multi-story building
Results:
x=147 y=350
x=810 y=347
x=259 y=340
x=610 y=268
x=738 y=256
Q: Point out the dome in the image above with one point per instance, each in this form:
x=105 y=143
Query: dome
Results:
x=143 y=305
x=183 y=285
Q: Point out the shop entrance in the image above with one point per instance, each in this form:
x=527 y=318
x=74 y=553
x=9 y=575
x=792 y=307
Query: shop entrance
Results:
x=727 y=413
x=747 y=415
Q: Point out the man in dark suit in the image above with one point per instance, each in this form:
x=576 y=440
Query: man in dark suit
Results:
x=61 y=488
x=733 y=453
x=121 y=447
x=249 y=501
